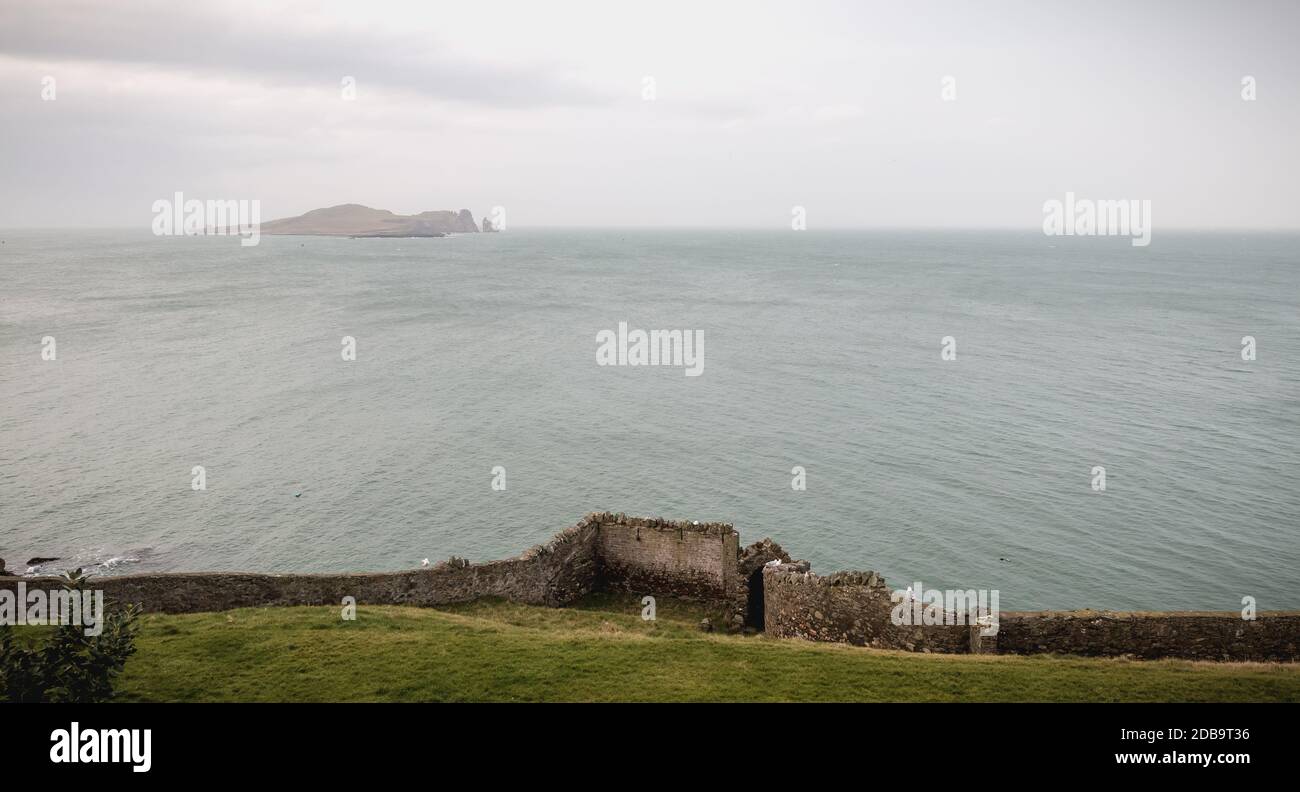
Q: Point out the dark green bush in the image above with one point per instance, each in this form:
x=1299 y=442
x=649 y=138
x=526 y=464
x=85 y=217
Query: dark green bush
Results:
x=68 y=666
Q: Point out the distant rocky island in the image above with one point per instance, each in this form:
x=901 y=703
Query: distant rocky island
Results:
x=355 y=220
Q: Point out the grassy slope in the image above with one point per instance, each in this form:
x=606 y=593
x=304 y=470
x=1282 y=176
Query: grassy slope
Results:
x=603 y=651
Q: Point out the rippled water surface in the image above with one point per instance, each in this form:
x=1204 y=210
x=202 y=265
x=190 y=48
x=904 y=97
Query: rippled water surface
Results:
x=821 y=350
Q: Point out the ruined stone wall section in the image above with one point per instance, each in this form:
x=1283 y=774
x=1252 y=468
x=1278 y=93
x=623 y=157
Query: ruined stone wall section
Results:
x=855 y=608
x=846 y=607
x=604 y=551
x=669 y=558
x=752 y=559
x=556 y=573
x=703 y=561
x=1271 y=636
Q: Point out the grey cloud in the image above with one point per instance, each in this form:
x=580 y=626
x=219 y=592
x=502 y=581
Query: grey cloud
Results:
x=175 y=36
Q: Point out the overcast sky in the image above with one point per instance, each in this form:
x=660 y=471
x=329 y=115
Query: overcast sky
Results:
x=540 y=108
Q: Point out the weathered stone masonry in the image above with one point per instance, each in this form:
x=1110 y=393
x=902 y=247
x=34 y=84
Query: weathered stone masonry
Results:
x=855 y=607
x=685 y=559
x=555 y=573
x=704 y=561
x=1273 y=636
x=846 y=607
x=602 y=552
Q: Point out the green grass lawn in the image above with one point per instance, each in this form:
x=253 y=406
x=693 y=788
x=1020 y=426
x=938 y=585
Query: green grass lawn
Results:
x=601 y=650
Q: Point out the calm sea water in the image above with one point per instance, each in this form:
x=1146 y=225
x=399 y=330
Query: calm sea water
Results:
x=821 y=350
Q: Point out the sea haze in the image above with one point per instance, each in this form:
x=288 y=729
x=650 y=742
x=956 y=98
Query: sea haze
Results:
x=821 y=349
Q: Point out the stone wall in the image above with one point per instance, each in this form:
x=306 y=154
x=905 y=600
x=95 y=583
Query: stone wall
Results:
x=555 y=573
x=603 y=551
x=846 y=607
x=855 y=608
x=703 y=561
x=1273 y=635
x=747 y=607
x=668 y=558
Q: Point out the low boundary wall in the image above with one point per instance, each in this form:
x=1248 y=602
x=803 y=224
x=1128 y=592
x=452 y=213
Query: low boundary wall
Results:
x=760 y=585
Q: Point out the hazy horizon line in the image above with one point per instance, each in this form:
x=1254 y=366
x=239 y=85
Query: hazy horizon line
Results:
x=144 y=227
